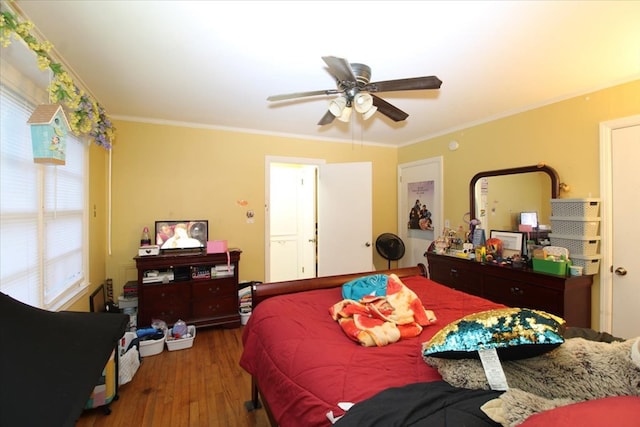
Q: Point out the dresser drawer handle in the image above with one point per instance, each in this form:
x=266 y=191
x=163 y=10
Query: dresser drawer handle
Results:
x=516 y=291
x=453 y=272
x=216 y=290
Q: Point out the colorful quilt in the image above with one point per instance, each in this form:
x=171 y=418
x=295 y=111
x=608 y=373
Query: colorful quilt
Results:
x=390 y=312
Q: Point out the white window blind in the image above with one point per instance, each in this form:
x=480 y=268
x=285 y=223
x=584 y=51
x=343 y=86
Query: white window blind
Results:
x=42 y=214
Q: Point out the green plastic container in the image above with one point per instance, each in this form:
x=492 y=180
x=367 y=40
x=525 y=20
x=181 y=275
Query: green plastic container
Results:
x=552 y=267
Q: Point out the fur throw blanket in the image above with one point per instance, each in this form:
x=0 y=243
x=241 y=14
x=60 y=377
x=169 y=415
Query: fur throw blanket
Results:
x=577 y=370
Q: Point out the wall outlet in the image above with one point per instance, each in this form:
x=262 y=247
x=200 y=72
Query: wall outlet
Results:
x=447 y=224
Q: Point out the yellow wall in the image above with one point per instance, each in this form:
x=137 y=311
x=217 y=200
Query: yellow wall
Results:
x=98 y=161
x=564 y=135
x=172 y=172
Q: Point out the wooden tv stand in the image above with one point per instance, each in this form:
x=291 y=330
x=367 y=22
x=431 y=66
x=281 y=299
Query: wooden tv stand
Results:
x=567 y=297
x=194 y=295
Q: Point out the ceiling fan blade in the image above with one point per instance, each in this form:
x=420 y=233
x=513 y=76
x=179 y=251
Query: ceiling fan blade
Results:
x=326 y=119
x=340 y=68
x=391 y=111
x=415 y=83
x=302 y=94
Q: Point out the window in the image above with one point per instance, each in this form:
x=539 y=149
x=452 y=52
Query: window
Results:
x=43 y=214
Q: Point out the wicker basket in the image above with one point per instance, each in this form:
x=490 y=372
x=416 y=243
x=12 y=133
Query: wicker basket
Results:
x=575 y=207
x=590 y=264
x=575 y=226
x=577 y=245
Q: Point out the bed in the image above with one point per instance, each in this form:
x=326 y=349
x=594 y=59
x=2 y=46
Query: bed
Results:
x=304 y=368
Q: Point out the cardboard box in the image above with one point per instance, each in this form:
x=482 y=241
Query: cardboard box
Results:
x=217 y=247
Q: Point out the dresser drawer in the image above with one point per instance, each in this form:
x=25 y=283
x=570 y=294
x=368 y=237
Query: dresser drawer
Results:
x=522 y=294
x=215 y=307
x=456 y=275
x=218 y=288
x=163 y=302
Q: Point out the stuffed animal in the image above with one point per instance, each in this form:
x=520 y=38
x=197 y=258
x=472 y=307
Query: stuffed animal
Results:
x=577 y=370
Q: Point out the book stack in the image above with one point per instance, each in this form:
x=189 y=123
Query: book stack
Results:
x=130 y=289
x=223 y=270
x=244 y=297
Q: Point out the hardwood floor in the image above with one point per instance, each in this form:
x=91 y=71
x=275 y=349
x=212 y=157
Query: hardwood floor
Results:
x=200 y=386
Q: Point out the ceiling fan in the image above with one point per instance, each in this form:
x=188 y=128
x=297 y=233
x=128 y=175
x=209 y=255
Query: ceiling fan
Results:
x=358 y=93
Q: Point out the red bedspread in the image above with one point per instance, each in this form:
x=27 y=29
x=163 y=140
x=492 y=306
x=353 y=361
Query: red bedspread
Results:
x=305 y=364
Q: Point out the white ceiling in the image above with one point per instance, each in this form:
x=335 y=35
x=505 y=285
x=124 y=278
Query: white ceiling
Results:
x=213 y=63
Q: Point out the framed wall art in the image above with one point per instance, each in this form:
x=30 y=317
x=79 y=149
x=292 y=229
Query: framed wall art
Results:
x=512 y=242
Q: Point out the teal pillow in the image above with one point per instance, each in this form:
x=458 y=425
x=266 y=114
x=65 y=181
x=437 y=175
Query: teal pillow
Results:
x=373 y=285
x=516 y=333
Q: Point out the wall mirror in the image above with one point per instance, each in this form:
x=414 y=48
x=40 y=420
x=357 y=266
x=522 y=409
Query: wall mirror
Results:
x=497 y=198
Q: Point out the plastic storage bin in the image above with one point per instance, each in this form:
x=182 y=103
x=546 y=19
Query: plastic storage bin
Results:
x=575 y=226
x=575 y=207
x=181 y=343
x=244 y=317
x=577 y=245
x=552 y=267
x=590 y=264
x=152 y=347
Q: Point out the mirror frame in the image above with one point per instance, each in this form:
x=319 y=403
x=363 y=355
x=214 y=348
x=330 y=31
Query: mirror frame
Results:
x=553 y=175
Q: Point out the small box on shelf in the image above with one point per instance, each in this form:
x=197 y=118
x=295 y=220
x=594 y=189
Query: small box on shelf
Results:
x=148 y=250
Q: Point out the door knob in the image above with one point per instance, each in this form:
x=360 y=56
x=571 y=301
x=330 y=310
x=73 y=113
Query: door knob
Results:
x=368 y=244
x=621 y=271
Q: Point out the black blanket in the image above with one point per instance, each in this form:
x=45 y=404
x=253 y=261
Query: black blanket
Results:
x=434 y=404
x=51 y=361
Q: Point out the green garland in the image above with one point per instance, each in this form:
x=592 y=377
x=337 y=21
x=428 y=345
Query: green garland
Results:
x=87 y=115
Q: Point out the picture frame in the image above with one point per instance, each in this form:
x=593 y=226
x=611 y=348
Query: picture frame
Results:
x=512 y=242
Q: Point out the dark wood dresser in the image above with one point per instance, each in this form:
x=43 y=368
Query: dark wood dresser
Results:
x=565 y=296
x=200 y=288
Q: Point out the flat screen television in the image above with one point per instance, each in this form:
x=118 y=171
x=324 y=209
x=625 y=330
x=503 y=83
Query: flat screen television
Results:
x=182 y=235
x=529 y=218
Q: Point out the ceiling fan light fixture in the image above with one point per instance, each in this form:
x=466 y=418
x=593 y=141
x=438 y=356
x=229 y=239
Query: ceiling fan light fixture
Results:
x=369 y=113
x=363 y=102
x=346 y=115
x=337 y=106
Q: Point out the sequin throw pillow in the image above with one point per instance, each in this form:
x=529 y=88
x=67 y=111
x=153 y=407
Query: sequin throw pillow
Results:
x=515 y=333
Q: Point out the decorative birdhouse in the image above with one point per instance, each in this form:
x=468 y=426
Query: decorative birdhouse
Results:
x=49 y=128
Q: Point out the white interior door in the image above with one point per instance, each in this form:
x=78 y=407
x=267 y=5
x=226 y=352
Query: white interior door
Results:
x=619 y=294
x=625 y=144
x=292 y=218
x=344 y=218
x=417 y=240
